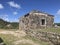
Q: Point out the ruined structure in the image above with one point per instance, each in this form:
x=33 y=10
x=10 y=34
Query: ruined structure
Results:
x=36 y=19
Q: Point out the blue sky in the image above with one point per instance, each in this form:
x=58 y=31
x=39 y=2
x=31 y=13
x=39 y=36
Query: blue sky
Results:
x=12 y=10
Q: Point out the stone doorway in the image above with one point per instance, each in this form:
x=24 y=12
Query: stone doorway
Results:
x=42 y=21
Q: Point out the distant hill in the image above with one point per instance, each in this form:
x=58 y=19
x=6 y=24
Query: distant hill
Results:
x=7 y=25
x=57 y=24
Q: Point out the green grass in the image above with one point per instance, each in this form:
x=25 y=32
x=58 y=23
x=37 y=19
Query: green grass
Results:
x=54 y=30
x=37 y=40
x=8 y=39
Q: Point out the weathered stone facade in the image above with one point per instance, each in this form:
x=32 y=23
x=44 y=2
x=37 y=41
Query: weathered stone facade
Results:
x=36 y=19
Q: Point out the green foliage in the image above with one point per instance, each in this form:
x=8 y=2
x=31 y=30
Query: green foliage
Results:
x=15 y=25
x=8 y=39
x=57 y=24
x=12 y=25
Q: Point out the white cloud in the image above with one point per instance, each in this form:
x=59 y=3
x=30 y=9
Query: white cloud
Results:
x=58 y=12
x=13 y=4
x=1 y=6
x=15 y=13
x=16 y=20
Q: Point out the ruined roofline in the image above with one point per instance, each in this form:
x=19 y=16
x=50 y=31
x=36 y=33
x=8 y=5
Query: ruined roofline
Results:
x=35 y=11
x=50 y=15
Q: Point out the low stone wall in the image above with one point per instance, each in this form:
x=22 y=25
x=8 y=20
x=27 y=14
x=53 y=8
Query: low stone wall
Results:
x=45 y=36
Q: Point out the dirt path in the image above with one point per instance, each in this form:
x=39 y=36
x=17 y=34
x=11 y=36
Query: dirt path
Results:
x=15 y=33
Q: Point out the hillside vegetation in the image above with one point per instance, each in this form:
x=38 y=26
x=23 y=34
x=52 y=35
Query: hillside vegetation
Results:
x=57 y=24
x=8 y=25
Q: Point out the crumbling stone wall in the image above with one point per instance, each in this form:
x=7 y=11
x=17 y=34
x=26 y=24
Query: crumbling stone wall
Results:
x=54 y=38
x=32 y=20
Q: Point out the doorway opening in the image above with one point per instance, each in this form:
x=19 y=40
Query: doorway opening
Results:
x=43 y=21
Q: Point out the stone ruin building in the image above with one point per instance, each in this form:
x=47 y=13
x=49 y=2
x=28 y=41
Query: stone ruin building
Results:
x=36 y=20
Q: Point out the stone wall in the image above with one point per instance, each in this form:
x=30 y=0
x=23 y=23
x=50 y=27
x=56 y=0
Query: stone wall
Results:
x=54 y=38
x=33 y=21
